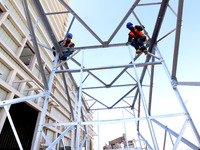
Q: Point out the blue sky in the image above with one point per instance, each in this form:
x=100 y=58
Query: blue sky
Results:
x=103 y=17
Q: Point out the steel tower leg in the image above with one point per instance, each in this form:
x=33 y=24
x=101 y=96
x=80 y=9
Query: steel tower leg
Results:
x=179 y=98
x=125 y=130
x=74 y=128
x=144 y=103
x=44 y=110
x=79 y=105
x=137 y=131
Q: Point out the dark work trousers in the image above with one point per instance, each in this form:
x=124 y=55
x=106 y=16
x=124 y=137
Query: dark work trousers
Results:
x=139 y=43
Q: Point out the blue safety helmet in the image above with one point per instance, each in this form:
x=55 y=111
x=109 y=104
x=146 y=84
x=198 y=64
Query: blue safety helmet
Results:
x=70 y=35
x=128 y=24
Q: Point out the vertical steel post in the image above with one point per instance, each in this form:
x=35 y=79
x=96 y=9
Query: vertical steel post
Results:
x=44 y=110
x=125 y=130
x=79 y=105
x=74 y=128
x=98 y=131
x=177 y=38
x=176 y=91
x=164 y=140
x=137 y=131
x=144 y=103
x=67 y=93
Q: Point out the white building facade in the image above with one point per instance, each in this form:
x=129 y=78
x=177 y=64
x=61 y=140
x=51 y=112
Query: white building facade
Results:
x=20 y=76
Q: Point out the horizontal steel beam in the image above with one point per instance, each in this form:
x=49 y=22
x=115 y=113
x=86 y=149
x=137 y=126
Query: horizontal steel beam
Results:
x=113 y=121
x=110 y=67
x=21 y=99
x=189 y=83
x=109 y=108
x=101 y=46
x=55 y=13
x=146 y=4
x=113 y=86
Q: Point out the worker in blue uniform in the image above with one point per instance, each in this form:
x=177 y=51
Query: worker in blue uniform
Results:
x=137 y=38
x=68 y=44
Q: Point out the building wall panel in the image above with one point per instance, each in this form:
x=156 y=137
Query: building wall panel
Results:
x=8 y=40
x=16 y=85
x=3 y=94
x=50 y=135
x=13 y=13
x=14 y=35
x=5 y=71
x=13 y=29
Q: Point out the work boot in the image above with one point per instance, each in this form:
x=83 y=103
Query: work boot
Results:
x=145 y=51
x=63 y=58
x=138 y=51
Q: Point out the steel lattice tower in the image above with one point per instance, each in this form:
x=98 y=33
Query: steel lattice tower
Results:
x=153 y=59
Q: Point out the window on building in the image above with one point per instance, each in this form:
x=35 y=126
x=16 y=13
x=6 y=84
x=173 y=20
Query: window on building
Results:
x=27 y=55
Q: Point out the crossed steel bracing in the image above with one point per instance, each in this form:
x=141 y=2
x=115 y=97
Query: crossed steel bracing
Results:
x=153 y=58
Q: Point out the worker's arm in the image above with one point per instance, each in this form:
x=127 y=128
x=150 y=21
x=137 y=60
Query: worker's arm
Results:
x=60 y=42
x=130 y=38
x=72 y=45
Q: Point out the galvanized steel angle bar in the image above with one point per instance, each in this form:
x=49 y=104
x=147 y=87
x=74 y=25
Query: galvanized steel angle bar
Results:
x=123 y=20
x=47 y=25
x=47 y=140
x=156 y=31
x=83 y=119
x=180 y=135
x=124 y=70
x=149 y=146
x=44 y=110
x=79 y=104
x=68 y=30
x=59 y=138
x=123 y=97
x=177 y=38
x=166 y=35
x=67 y=93
x=41 y=44
x=110 y=67
x=189 y=83
x=153 y=136
x=83 y=142
x=33 y=39
x=36 y=23
x=182 y=104
x=132 y=119
x=76 y=62
x=145 y=31
x=55 y=13
x=171 y=132
x=80 y=20
x=21 y=99
x=13 y=128
x=95 y=99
